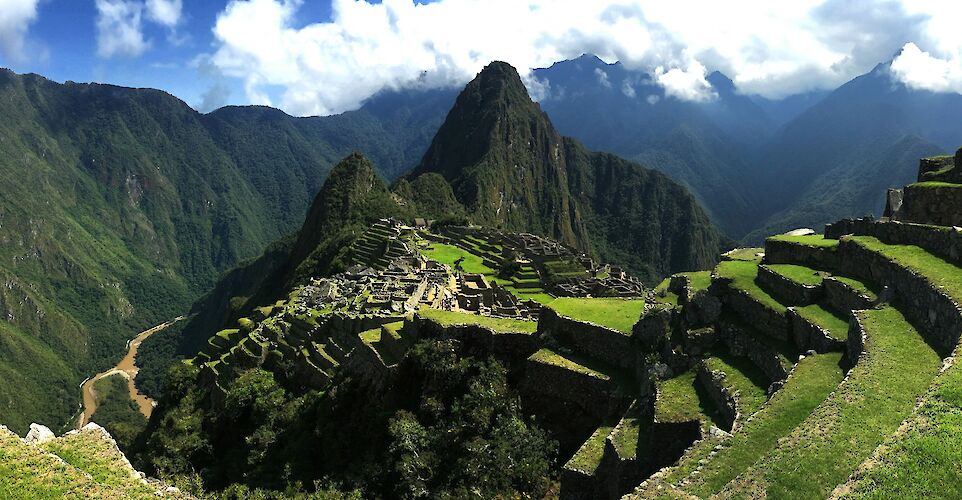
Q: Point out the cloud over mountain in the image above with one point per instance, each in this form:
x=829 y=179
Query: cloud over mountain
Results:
x=769 y=48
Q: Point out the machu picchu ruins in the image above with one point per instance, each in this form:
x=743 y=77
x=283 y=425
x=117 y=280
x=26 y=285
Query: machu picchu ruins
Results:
x=665 y=392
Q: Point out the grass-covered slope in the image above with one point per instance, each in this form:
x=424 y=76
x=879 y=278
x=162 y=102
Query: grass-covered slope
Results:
x=878 y=394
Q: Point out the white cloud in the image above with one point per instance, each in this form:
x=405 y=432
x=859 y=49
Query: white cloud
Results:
x=602 y=77
x=119 y=30
x=920 y=70
x=165 y=12
x=686 y=84
x=769 y=48
x=627 y=89
x=120 y=26
x=15 y=18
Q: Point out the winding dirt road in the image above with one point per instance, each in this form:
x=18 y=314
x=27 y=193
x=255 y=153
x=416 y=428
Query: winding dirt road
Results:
x=125 y=368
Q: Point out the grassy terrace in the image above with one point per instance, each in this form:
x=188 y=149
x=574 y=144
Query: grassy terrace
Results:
x=680 y=400
x=859 y=286
x=27 y=472
x=588 y=457
x=699 y=280
x=935 y=184
x=845 y=428
x=799 y=274
x=746 y=254
x=939 y=272
x=549 y=357
x=811 y=382
x=743 y=276
x=669 y=297
x=617 y=314
x=448 y=254
x=923 y=462
x=498 y=325
x=629 y=430
x=812 y=240
x=743 y=376
x=818 y=315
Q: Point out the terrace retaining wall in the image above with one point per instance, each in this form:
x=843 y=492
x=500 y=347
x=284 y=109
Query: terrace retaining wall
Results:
x=939 y=205
x=787 y=289
x=742 y=343
x=595 y=341
x=510 y=348
x=724 y=400
x=763 y=318
x=843 y=298
x=945 y=242
x=782 y=252
x=809 y=336
x=934 y=313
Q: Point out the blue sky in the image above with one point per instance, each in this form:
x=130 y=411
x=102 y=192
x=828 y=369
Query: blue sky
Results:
x=318 y=57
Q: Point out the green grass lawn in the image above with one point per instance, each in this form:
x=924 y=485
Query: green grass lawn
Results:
x=617 y=314
x=812 y=240
x=743 y=276
x=549 y=357
x=662 y=294
x=680 y=400
x=925 y=461
x=498 y=325
x=588 y=457
x=448 y=254
x=811 y=382
x=843 y=430
x=799 y=274
x=820 y=316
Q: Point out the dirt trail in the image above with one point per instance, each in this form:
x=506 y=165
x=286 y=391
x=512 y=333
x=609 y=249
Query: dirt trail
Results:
x=125 y=368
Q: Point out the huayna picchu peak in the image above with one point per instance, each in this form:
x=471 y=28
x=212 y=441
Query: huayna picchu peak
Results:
x=451 y=249
x=511 y=169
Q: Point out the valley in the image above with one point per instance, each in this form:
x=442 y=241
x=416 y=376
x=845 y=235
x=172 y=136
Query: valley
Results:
x=127 y=369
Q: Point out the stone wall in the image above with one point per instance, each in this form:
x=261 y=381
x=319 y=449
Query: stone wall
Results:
x=946 y=242
x=589 y=339
x=763 y=318
x=724 y=401
x=940 y=205
x=843 y=298
x=781 y=252
x=510 y=348
x=855 y=345
x=809 y=336
x=654 y=328
x=790 y=291
x=933 y=312
x=741 y=342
